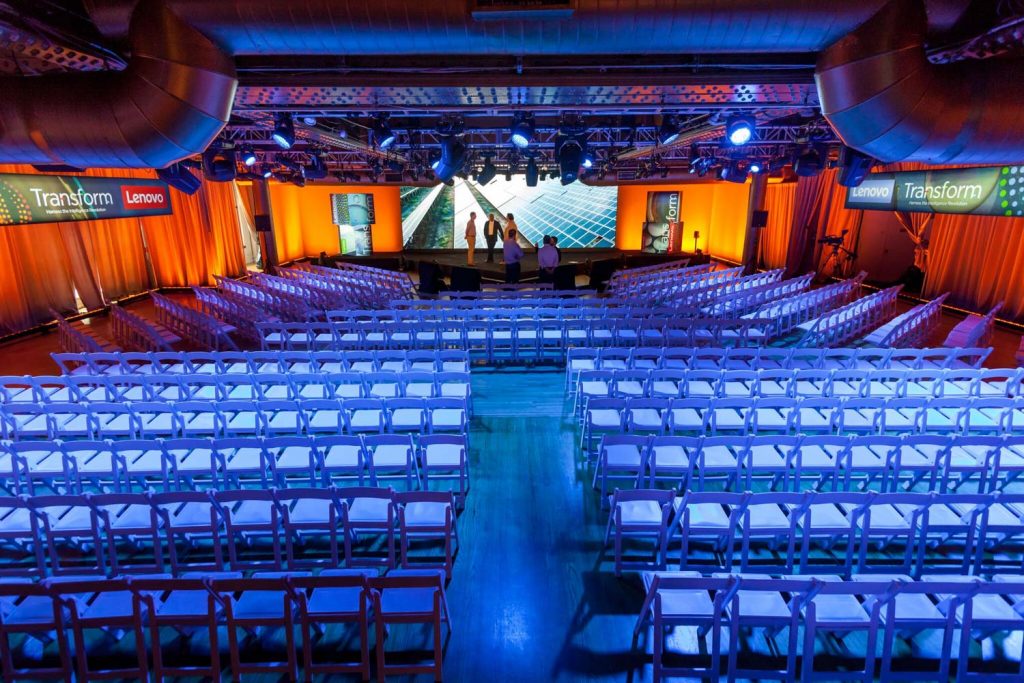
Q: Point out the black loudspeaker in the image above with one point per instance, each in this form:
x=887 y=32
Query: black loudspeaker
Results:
x=759 y=219
x=431 y=281
x=601 y=271
x=565 y=277
x=261 y=222
x=465 y=279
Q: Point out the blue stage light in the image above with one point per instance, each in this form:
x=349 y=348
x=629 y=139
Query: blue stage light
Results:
x=739 y=129
x=284 y=131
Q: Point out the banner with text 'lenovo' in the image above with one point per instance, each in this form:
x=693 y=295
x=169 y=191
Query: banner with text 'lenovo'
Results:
x=51 y=198
x=989 y=191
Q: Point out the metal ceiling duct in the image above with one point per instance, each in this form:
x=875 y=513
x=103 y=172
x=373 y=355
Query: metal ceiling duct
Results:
x=443 y=27
x=169 y=103
x=885 y=99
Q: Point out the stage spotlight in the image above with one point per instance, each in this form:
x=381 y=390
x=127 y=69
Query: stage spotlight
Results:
x=486 y=173
x=569 y=153
x=531 y=173
x=382 y=133
x=309 y=120
x=523 y=129
x=219 y=165
x=290 y=164
x=669 y=130
x=734 y=172
x=248 y=156
x=809 y=164
x=588 y=160
x=853 y=167
x=284 y=130
x=739 y=129
x=266 y=170
x=453 y=156
x=755 y=167
x=180 y=178
x=317 y=168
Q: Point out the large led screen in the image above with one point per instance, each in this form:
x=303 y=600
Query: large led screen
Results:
x=579 y=215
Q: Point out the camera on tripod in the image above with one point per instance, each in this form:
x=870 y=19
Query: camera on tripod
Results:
x=833 y=240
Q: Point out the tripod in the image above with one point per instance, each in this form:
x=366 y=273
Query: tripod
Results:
x=838 y=262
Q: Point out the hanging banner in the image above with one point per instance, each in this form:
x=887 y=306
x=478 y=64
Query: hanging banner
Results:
x=353 y=213
x=51 y=198
x=988 y=191
x=663 y=232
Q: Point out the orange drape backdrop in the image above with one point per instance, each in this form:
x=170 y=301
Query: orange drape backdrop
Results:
x=779 y=201
x=45 y=264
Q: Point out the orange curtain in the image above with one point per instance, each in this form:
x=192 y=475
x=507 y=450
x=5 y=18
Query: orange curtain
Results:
x=200 y=239
x=779 y=202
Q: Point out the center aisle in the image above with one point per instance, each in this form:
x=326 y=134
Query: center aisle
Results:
x=527 y=601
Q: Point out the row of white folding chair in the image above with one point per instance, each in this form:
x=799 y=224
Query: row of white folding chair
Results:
x=287 y=306
x=234 y=386
x=838 y=533
x=891 y=383
x=960 y=618
x=820 y=462
x=844 y=324
x=714 y=416
x=129 y=619
x=201 y=362
x=123 y=420
x=181 y=464
x=236 y=529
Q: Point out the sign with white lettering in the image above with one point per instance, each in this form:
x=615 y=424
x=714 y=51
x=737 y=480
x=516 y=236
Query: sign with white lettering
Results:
x=988 y=191
x=50 y=198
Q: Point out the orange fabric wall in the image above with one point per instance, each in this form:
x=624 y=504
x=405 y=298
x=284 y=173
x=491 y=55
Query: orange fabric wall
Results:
x=717 y=210
x=303 y=225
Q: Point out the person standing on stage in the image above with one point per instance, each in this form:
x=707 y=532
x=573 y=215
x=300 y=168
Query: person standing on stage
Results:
x=547 y=260
x=470 y=237
x=513 y=255
x=510 y=225
x=492 y=233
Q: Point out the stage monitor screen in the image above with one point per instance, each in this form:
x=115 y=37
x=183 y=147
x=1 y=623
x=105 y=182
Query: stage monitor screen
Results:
x=582 y=217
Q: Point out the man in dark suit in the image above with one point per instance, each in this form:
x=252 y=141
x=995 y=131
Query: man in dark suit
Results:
x=492 y=233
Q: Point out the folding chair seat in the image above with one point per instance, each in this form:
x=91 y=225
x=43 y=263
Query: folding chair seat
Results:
x=602 y=334
x=502 y=341
x=42 y=462
x=309 y=386
x=238 y=387
x=95 y=463
x=920 y=458
x=839 y=359
x=771 y=359
x=867 y=460
x=775 y=383
x=772 y=415
x=477 y=339
x=12 y=475
x=860 y=415
x=646 y=415
x=19 y=532
x=884 y=525
x=199 y=419
x=527 y=335
x=203 y=363
x=245 y=461
x=322 y=416
x=620 y=457
x=156 y=419
x=760 y=606
x=309 y=518
x=327 y=362
x=738 y=358
x=128 y=523
x=980 y=415
x=856 y=384
x=730 y=415
x=88 y=389
x=66 y=421
x=142 y=462
x=361 y=361
x=71 y=532
x=427 y=516
x=251 y=518
x=454 y=385
x=677 y=358
x=420 y=361
x=158 y=362
x=129 y=388
x=382 y=385
x=901 y=416
x=602 y=416
x=927 y=383
x=239 y=418
x=942 y=415
x=294 y=460
x=643 y=513
x=259 y=605
x=26 y=421
x=704 y=518
x=107 y=363
x=817 y=456
x=369 y=512
x=48 y=390
x=415 y=385
x=113 y=420
x=335 y=596
x=816 y=415
x=613 y=359
x=768 y=530
x=391 y=456
x=188 y=520
x=739 y=384
x=410 y=596
x=32 y=611
x=162 y=388
x=688 y=415
x=446 y=415
x=185 y=605
x=702 y=384
x=264 y=362
x=105 y=606
x=340 y=455
x=812 y=383
x=768 y=458
x=364 y=415
x=665 y=384
x=273 y=387
x=295 y=362
x=406 y=415
x=450 y=361
x=19 y=390
x=193 y=463
x=442 y=458
x=281 y=418
x=670 y=458
x=718 y=458
x=904 y=359
x=708 y=358
x=592 y=384
x=200 y=387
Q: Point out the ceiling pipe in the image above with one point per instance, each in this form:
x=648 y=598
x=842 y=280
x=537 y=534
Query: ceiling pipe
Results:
x=436 y=27
x=885 y=99
x=170 y=102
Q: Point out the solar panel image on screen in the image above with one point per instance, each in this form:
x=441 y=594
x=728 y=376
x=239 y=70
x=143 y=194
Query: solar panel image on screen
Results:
x=579 y=215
